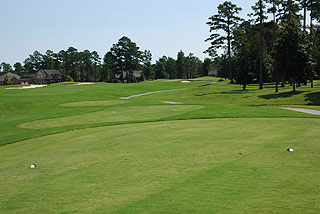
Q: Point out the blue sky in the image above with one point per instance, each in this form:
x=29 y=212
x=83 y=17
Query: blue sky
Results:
x=164 y=27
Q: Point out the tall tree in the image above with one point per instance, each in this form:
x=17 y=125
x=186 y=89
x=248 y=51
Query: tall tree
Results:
x=206 y=67
x=181 y=66
x=18 y=68
x=108 y=68
x=193 y=66
x=34 y=62
x=147 y=67
x=49 y=60
x=160 y=68
x=171 y=68
x=96 y=65
x=226 y=19
x=292 y=52
x=245 y=51
x=6 y=67
x=274 y=9
x=127 y=57
x=314 y=8
x=259 y=12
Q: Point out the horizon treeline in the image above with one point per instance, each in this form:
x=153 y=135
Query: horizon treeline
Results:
x=117 y=65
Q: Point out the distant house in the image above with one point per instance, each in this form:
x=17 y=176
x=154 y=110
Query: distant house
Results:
x=15 y=79
x=136 y=74
x=25 y=79
x=48 y=76
x=213 y=72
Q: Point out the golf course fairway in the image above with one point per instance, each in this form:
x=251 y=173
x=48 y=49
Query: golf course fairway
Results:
x=221 y=151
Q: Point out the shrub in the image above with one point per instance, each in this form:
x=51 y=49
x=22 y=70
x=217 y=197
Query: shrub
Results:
x=142 y=77
x=6 y=81
x=69 y=78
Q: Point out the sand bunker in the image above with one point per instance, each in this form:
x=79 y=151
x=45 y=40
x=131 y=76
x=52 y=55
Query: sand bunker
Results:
x=83 y=83
x=28 y=87
x=185 y=81
x=308 y=111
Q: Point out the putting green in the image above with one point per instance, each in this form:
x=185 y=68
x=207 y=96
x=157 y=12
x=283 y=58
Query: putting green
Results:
x=117 y=114
x=195 y=166
x=94 y=103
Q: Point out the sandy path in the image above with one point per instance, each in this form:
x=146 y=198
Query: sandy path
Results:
x=308 y=111
x=170 y=102
x=147 y=93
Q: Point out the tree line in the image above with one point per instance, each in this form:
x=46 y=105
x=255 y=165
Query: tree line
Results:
x=117 y=65
x=285 y=49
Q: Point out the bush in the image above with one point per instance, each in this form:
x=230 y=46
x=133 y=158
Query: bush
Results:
x=69 y=78
x=6 y=81
x=142 y=77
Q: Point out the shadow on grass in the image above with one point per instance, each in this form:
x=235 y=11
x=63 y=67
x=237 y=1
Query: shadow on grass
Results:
x=200 y=95
x=205 y=85
x=281 y=95
x=237 y=92
x=313 y=98
x=226 y=92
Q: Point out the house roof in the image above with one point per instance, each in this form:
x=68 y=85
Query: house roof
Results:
x=51 y=72
x=136 y=74
x=25 y=76
x=10 y=76
x=48 y=74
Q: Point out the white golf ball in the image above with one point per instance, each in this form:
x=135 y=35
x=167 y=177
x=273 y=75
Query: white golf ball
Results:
x=33 y=166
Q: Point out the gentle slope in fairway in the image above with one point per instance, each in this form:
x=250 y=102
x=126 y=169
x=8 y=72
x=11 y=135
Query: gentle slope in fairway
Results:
x=134 y=113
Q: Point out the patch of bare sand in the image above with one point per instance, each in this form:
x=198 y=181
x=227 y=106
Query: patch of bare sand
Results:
x=28 y=87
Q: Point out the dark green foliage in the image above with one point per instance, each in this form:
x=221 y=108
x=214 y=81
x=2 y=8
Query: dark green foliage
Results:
x=206 y=67
x=142 y=77
x=18 y=68
x=317 y=50
x=6 y=67
x=160 y=68
x=193 y=66
x=171 y=68
x=181 y=66
x=69 y=78
x=185 y=67
x=148 y=71
x=245 y=54
x=108 y=68
x=293 y=52
x=126 y=57
x=226 y=19
x=6 y=81
x=259 y=12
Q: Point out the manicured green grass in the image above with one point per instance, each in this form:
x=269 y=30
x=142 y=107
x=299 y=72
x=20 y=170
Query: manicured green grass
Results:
x=190 y=166
x=132 y=113
x=222 y=151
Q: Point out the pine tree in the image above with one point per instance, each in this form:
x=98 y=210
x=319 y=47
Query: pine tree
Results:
x=226 y=19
